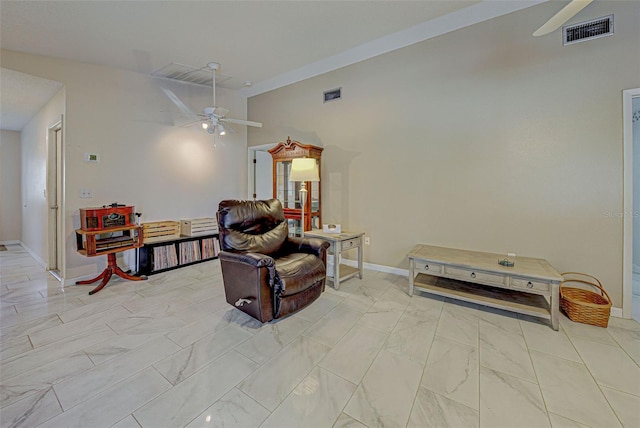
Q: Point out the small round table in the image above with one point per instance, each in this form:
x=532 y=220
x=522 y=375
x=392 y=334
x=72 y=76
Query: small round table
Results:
x=90 y=246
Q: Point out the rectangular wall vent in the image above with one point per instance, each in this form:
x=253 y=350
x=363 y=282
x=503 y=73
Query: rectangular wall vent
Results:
x=332 y=95
x=589 y=30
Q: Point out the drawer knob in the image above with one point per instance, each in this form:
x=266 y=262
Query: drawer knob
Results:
x=426 y=267
x=473 y=274
x=529 y=284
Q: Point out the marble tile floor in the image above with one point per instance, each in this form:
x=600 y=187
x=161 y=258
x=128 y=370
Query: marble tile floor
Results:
x=170 y=352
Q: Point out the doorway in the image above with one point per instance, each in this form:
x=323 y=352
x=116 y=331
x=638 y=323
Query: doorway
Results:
x=260 y=172
x=54 y=198
x=631 y=208
x=635 y=119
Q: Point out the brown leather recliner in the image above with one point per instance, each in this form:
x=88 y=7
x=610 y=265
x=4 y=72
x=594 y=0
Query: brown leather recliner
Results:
x=267 y=274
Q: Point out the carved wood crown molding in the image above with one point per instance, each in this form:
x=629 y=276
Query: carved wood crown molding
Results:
x=295 y=149
x=288 y=143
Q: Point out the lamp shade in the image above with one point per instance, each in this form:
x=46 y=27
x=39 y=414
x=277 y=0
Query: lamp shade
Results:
x=304 y=169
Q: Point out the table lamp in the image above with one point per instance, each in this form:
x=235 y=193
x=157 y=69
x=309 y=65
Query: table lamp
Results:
x=303 y=170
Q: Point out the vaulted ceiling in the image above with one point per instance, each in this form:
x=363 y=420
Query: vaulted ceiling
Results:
x=254 y=41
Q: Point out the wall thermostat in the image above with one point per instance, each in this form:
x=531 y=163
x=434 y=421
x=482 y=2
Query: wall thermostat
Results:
x=91 y=157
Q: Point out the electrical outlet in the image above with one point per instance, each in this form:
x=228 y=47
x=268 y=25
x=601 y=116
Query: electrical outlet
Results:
x=367 y=240
x=512 y=255
x=86 y=193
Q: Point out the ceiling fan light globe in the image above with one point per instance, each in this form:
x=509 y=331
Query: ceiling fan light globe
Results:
x=205 y=125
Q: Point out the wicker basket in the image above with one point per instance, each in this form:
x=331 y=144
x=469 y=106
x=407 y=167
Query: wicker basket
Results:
x=582 y=305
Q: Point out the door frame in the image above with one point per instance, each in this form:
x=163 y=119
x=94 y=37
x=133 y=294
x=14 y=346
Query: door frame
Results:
x=627 y=218
x=251 y=155
x=55 y=195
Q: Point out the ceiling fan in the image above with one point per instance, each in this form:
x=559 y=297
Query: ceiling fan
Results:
x=213 y=119
x=565 y=14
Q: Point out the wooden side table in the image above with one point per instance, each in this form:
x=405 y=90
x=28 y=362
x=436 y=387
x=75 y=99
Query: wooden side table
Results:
x=89 y=244
x=341 y=242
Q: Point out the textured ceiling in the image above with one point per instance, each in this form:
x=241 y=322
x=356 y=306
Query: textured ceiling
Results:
x=22 y=95
x=254 y=41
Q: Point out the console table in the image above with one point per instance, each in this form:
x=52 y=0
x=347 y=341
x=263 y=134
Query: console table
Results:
x=341 y=242
x=477 y=277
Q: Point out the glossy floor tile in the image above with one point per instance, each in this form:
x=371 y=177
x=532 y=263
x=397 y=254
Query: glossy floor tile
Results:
x=170 y=352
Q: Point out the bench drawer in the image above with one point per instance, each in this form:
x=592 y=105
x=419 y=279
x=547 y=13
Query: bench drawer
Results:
x=526 y=284
x=428 y=267
x=351 y=243
x=345 y=245
x=475 y=276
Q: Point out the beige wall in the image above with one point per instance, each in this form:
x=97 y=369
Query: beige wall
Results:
x=9 y=185
x=35 y=209
x=485 y=139
x=167 y=172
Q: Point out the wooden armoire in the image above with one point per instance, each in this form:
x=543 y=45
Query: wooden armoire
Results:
x=288 y=192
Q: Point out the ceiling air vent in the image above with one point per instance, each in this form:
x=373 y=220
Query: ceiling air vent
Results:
x=189 y=74
x=332 y=95
x=589 y=30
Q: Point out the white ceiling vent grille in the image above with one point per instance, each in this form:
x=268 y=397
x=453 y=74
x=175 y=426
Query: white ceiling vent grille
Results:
x=589 y=30
x=189 y=74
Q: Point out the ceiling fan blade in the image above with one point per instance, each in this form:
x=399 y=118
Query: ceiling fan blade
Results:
x=187 y=123
x=230 y=129
x=561 y=17
x=178 y=102
x=241 y=122
x=220 y=111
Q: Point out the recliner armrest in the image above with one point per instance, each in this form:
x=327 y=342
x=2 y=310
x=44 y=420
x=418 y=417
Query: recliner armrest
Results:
x=251 y=259
x=315 y=246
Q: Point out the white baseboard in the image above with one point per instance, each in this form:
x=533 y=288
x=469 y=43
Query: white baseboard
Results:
x=37 y=259
x=11 y=242
x=72 y=281
x=378 y=268
x=616 y=312
x=34 y=255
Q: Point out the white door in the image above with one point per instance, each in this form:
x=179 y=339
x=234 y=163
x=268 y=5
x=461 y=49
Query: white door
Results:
x=260 y=172
x=54 y=198
x=631 y=208
x=635 y=214
x=264 y=175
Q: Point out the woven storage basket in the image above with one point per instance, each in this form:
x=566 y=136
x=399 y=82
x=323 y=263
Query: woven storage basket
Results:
x=582 y=305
